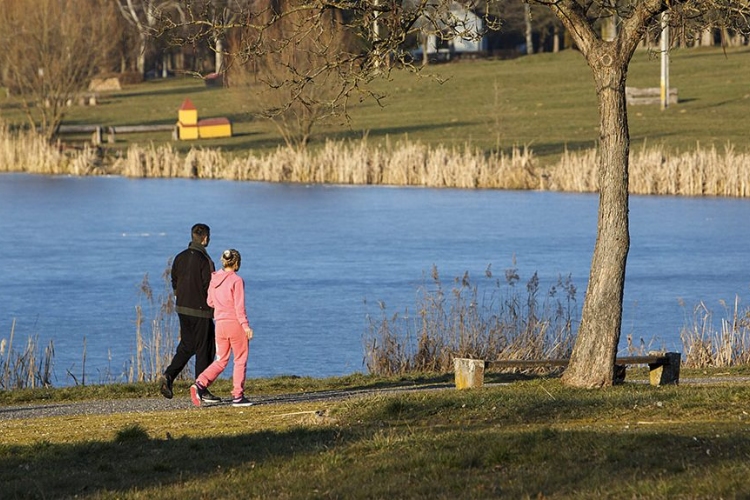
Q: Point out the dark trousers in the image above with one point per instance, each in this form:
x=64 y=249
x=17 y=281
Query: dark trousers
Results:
x=197 y=338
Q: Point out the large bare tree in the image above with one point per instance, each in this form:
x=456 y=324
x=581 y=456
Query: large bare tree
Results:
x=383 y=25
x=143 y=16
x=51 y=51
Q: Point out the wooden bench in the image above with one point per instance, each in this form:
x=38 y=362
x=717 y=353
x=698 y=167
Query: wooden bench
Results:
x=97 y=131
x=664 y=367
x=648 y=95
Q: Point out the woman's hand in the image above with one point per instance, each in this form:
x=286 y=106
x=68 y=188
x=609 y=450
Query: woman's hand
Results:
x=248 y=332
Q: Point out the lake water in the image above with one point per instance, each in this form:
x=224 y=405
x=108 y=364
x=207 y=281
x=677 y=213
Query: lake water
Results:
x=317 y=259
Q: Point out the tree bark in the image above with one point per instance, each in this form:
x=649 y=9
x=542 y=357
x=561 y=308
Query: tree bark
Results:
x=593 y=357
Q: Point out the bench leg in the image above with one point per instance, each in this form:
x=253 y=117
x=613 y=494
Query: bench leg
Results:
x=468 y=372
x=666 y=373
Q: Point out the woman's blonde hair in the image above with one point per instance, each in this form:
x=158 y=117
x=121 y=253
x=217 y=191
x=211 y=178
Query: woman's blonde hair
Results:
x=231 y=258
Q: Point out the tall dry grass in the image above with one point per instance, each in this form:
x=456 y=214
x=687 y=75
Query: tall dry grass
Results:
x=708 y=171
x=27 y=151
x=705 y=171
x=402 y=163
x=494 y=319
x=157 y=332
x=29 y=367
x=706 y=345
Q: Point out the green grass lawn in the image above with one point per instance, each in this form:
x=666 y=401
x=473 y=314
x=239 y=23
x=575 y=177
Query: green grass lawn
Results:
x=524 y=439
x=545 y=101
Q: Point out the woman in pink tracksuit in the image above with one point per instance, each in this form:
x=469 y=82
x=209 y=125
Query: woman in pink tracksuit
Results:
x=226 y=294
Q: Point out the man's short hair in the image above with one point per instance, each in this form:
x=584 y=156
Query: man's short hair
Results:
x=200 y=231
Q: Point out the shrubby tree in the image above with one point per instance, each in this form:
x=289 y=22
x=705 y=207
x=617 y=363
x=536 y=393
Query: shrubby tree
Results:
x=51 y=51
x=294 y=81
x=380 y=28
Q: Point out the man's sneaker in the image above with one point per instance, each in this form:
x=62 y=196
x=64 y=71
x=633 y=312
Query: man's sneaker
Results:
x=165 y=387
x=241 y=401
x=208 y=398
x=195 y=394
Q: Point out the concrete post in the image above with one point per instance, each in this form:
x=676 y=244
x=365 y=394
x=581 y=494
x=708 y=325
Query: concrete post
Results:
x=468 y=372
x=663 y=374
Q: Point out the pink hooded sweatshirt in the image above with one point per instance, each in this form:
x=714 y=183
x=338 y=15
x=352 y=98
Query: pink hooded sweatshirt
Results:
x=226 y=294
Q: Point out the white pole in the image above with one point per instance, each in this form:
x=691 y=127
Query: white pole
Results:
x=376 y=31
x=664 y=60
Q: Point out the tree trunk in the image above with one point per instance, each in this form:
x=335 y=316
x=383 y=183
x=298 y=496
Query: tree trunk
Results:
x=219 y=54
x=141 y=59
x=529 y=32
x=593 y=357
x=556 y=40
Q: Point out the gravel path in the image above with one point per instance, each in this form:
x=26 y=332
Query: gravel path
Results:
x=182 y=402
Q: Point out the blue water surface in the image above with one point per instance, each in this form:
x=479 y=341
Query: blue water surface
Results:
x=317 y=259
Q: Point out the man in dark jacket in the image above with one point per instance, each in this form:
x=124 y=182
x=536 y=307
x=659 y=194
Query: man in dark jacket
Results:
x=191 y=274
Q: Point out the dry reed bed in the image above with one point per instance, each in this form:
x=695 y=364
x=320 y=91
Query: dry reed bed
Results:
x=403 y=164
x=705 y=171
x=487 y=319
x=701 y=172
x=705 y=344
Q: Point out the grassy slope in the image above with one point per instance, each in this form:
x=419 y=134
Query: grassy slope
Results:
x=546 y=101
x=528 y=439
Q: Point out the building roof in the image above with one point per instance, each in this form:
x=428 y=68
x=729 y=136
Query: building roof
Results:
x=187 y=104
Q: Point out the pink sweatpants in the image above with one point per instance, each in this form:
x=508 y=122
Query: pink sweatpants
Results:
x=229 y=336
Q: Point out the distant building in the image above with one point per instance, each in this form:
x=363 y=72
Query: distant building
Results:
x=451 y=44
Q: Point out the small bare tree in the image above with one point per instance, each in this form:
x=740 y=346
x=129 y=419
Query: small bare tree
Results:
x=51 y=51
x=298 y=78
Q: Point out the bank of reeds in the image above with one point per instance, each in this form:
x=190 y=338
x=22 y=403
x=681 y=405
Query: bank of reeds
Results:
x=708 y=171
x=493 y=319
x=402 y=164
x=25 y=368
x=26 y=151
x=705 y=171
x=157 y=332
x=707 y=345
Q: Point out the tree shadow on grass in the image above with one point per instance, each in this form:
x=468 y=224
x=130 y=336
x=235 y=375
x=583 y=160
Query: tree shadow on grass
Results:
x=146 y=91
x=135 y=461
x=485 y=443
x=542 y=149
x=395 y=132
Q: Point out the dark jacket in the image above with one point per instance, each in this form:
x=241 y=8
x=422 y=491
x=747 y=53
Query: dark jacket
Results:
x=191 y=275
